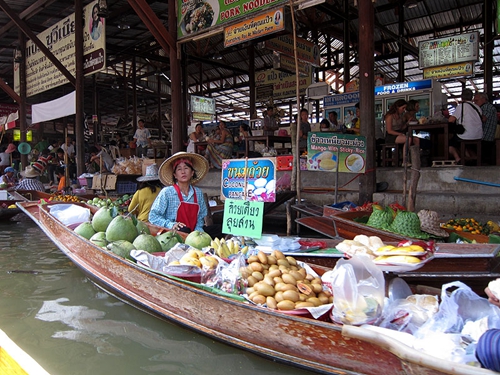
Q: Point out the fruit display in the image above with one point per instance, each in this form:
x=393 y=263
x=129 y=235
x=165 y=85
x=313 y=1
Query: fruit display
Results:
x=225 y=248
x=398 y=221
x=64 y=198
x=198 y=239
x=121 y=203
x=195 y=257
x=279 y=282
x=471 y=225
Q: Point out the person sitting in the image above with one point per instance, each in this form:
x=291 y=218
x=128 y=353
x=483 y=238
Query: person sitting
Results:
x=324 y=125
x=8 y=179
x=219 y=149
x=149 y=188
x=61 y=176
x=197 y=136
x=30 y=180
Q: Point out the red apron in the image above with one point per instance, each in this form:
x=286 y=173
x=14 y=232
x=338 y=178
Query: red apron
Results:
x=187 y=213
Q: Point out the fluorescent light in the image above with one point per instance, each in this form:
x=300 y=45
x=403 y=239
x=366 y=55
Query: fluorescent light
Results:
x=310 y=3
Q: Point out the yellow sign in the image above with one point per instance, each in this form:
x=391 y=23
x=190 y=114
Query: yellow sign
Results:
x=256 y=27
x=283 y=84
x=306 y=51
x=447 y=71
x=287 y=63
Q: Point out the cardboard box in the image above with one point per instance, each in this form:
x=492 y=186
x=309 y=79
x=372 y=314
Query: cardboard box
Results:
x=104 y=182
x=147 y=162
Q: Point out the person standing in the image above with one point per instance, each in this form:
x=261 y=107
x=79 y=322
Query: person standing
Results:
x=304 y=128
x=4 y=159
x=470 y=116
x=489 y=128
x=270 y=124
x=142 y=138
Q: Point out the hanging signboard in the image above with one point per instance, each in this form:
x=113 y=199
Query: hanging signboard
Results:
x=42 y=75
x=256 y=27
x=201 y=104
x=249 y=179
x=198 y=16
x=283 y=84
x=286 y=63
x=449 y=50
x=448 y=71
x=403 y=87
x=306 y=51
x=328 y=151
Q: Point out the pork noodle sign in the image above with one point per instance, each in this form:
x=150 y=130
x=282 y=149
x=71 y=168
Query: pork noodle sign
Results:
x=42 y=75
x=329 y=151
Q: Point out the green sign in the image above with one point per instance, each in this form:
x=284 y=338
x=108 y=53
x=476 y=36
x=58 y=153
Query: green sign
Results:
x=197 y=16
x=329 y=151
x=243 y=218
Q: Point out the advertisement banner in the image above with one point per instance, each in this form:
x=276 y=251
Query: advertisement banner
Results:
x=449 y=50
x=250 y=179
x=283 y=84
x=198 y=16
x=255 y=27
x=403 y=87
x=42 y=75
x=328 y=151
x=448 y=71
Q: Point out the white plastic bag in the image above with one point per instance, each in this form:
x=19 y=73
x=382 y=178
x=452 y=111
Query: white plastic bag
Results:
x=70 y=213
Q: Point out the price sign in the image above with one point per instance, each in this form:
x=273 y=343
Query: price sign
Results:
x=243 y=218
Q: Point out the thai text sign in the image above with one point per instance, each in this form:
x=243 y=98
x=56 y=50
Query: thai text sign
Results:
x=448 y=71
x=250 y=179
x=448 y=50
x=201 y=104
x=243 y=218
x=270 y=22
x=306 y=51
x=329 y=151
x=42 y=75
x=286 y=63
x=284 y=84
x=197 y=16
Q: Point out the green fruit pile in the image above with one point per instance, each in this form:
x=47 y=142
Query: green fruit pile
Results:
x=120 y=203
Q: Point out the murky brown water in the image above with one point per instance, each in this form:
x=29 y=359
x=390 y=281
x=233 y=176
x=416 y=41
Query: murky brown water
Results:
x=71 y=327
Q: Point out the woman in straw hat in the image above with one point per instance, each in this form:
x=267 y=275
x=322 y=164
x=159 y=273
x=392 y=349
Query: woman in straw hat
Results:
x=149 y=188
x=180 y=205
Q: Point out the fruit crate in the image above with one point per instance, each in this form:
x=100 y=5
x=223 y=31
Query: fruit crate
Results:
x=126 y=187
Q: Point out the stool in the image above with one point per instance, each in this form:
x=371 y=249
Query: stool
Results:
x=390 y=154
x=465 y=145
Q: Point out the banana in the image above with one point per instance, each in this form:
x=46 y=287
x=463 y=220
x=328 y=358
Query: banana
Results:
x=230 y=246
x=244 y=250
x=217 y=241
x=224 y=250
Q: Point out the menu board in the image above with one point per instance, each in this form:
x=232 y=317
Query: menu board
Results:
x=449 y=50
x=200 y=104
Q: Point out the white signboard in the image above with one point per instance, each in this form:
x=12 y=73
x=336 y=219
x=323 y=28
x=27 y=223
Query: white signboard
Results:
x=449 y=50
x=42 y=75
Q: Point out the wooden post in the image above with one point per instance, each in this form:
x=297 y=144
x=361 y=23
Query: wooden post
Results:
x=415 y=176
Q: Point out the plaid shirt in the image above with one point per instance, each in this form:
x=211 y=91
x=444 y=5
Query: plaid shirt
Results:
x=490 y=126
x=164 y=209
x=30 y=184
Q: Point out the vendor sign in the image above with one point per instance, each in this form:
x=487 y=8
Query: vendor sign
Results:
x=448 y=71
x=243 y=218
x=249 y=179
x=329 y=151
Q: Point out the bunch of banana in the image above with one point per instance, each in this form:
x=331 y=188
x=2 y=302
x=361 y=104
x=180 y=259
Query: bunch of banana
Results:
x=224 y=248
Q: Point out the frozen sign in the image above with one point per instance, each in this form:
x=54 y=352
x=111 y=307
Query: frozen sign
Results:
x=251 y=179
x=403 y=87
x=331 y=151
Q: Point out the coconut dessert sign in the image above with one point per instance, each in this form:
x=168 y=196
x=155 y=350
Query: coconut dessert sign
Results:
x=331 y=151
x=249 y=179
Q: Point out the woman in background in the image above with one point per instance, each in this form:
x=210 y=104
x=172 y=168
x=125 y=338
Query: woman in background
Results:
x=219 y=149
x=396 y=128
x=149 y=188
x=197 y=136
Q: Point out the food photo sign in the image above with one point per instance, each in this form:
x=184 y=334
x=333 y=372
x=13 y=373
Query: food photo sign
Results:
x=331 y=151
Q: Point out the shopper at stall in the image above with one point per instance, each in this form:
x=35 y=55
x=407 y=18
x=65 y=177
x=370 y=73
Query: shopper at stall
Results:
x=180 y=205
x=8 y=179
x=102 y=157
x=489 y=127
x=396 y=128
x=221 y=148
x=149 y=188
x=470 y=116
x=30 y=180
x=142 y=138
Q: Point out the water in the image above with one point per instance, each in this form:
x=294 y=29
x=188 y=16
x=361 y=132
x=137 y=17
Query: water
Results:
x=71 y=327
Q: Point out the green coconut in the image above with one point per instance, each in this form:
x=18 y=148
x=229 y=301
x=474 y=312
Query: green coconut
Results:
x=99 y=239
x=142 y=227
x=147 y=243
x=121 y=248
x=85 y=230
x=121 y=228
x=101 y=219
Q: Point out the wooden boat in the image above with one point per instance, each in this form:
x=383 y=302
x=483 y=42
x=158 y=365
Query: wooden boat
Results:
x=14 y=360
x=315 y=345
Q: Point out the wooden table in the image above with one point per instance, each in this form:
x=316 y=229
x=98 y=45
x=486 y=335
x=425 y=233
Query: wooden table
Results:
x=270 y=140
x=433 y=129
x=200 y=146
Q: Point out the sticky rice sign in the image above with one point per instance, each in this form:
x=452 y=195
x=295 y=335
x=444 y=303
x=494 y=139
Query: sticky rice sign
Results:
x=328 y=152
x=42 y=75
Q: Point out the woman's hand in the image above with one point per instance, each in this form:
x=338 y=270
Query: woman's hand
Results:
x=178 y=226
x=491 y=297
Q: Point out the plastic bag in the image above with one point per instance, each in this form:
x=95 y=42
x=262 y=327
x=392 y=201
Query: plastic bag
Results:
x=359 y=288
x=459 y=307
x=228 y=276
x=70 y=213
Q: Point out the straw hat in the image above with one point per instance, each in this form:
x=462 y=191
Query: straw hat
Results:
x=30 y=172
x=200 y=165
x=429 y=222
x=151 y=174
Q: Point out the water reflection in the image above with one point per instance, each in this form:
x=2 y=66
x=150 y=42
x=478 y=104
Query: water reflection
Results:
x=73 y=328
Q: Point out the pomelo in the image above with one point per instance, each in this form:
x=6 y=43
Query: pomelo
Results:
x=99 y=239
x=85 y=230
x=147 y=243
x=142 y=227
x=121 y=228
x=121 y=248
x=198 y=239
x=101 y=219
x=168 y=240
